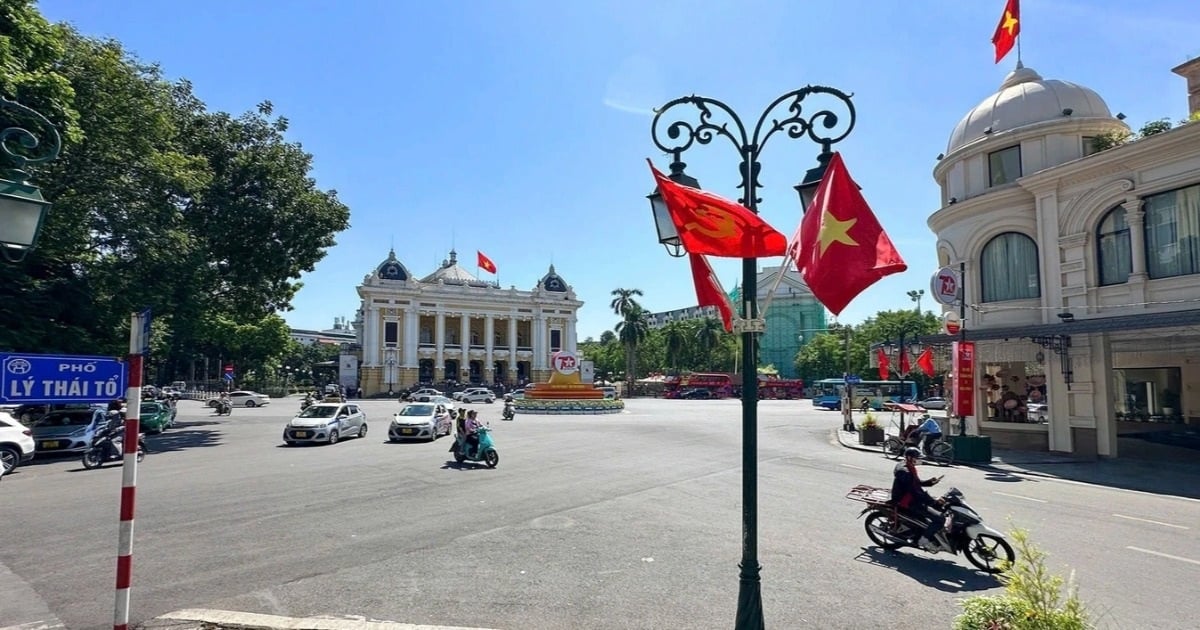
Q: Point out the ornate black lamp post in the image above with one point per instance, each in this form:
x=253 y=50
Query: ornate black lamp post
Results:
x=823 y=126
x=22 y=207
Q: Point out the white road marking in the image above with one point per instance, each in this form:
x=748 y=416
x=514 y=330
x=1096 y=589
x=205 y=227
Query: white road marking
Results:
x=852 y=466
x=1164 y=555
x=1146 y=520
x=1017 y=496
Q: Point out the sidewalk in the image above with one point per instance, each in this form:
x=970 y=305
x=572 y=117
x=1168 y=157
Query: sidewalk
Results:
x=199 y=619
x=1169 y=478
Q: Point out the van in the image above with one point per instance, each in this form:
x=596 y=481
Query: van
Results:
x=178 y=386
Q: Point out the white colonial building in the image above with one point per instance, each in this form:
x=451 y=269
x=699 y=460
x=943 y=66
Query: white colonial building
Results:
x=452 y=326
x=1082 y=270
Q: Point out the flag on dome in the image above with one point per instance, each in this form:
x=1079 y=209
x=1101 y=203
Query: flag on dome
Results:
x=1007 y=30
x=485 y=263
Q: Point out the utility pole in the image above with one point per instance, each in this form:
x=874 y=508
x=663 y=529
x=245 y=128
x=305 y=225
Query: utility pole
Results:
x=848 y=406
x=916 y=297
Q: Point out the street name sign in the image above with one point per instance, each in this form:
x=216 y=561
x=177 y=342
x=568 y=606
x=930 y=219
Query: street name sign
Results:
x=53 y=378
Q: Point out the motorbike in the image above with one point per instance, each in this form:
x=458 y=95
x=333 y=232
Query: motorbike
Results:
x=509 y=411
x=224 y=408
x=485 y=452
x=306 y=403
x=963 y=530
x=108 y=446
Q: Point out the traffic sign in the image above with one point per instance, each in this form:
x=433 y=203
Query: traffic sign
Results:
x=229 y=369
x=853 y=379
x=229 y=376
x=946 y=286
x=52 y=378
x=141 y=329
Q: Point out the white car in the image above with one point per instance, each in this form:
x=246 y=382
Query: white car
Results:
x=244 y=399
x=16 y=443
x=423 y=395
x=326 y=422
x=610 y=393
x=419 y=421
x=475 y=395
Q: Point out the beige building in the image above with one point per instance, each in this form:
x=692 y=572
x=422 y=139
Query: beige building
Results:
x=1082 y=270
x=452 y=326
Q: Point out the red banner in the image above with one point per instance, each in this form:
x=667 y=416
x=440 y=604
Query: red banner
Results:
x=964 y=378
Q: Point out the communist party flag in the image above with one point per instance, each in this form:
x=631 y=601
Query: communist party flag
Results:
x=708 y=289
x=1008 y=29
x=925 y=362
x=905 y=368
x=884 y=364
x=485 y=263
x=709 y=224
x=840 y=247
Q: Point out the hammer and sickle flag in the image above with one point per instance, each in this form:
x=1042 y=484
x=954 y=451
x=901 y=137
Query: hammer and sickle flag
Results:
x=711 y=225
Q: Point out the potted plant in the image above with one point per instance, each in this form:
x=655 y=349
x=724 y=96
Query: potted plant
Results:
x=870 y=432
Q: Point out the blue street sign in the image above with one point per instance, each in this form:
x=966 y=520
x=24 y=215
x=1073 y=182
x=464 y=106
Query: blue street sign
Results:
x=853 y=379
x=229 y=376
x=144 y=336
x=49 y=378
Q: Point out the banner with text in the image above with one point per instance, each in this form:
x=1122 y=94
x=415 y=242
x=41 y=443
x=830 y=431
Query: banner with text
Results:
x=964 y=378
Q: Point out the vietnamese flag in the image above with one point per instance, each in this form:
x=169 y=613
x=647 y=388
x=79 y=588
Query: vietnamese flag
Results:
x=485 y=263
x=840 y=246
x=884 y=364
x=711 y=225
x=905 y=368
x=1008 y=29
x=925 y=362
x=708 y=289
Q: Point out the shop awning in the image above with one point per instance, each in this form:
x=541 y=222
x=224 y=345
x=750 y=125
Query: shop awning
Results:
x=1142 y=321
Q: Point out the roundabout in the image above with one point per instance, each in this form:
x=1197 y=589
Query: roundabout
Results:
x=566 y=392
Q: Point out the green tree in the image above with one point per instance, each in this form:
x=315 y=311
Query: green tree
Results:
x=675 y=343
x=632 y=329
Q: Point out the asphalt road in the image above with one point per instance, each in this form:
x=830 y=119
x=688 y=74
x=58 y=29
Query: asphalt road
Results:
x=589 y=522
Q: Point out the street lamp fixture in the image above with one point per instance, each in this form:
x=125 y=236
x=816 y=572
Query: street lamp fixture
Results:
x=702 y=121
x=667 y=234
x=22 y=208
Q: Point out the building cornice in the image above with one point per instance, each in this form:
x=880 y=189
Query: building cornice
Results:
x=987 y=144
x=1009 y=196
x=1139 y=155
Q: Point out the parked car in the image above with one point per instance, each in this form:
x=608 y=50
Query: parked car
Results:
x=419 y=421
x=935 y=402
x=475 y=395
x=697 y=394
x=16 y=443
x=155 y=417
x=326 y=422
x=67 y=431
x=610 y=392
x=243 y=399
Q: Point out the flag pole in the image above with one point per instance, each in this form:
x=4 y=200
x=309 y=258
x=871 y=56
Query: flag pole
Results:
x=1018 y=38
x=787 y=263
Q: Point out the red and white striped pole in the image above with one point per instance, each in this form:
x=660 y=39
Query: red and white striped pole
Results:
x=133 y=416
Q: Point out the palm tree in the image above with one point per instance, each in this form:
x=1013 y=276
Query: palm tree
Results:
x=631 y=331
x=624 y=301
x=675 y=341
x=708 y=338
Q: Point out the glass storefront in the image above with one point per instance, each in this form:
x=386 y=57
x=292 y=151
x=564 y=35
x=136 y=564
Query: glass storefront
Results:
x=1016 y=392
x=1148 y=394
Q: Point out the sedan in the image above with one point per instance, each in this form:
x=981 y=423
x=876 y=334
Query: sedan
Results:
x=68 y=431
x=477 y=396
x=419 y=421
x=933 y=403
x=155 y=417
x=326 y=422
x=243 y=399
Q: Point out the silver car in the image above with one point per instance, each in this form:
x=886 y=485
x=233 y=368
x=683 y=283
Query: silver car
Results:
x=326 y=422
x=68 y=430
x=420 y=421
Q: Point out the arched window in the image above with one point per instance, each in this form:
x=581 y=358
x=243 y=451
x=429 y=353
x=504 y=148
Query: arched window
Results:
x=1173 y=233
x=1113 y=253
x=1009 y=268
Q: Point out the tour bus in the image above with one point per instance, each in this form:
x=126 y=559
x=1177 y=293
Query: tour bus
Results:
x=828 y=393
x=780 y=388
x=717 y=385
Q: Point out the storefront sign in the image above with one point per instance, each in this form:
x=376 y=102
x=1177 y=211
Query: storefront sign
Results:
x=964 y=378
x=951 y=323
x=946 y=286
x=564 y=362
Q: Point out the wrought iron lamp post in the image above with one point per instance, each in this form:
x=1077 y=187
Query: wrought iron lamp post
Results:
x=899 y=349
x=391 y=369
x=674 y=135
x=22 y=207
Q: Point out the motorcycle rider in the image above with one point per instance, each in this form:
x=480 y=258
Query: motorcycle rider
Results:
x=472 y=428
x=926 y=433
x=508 y=406
x=909 y=495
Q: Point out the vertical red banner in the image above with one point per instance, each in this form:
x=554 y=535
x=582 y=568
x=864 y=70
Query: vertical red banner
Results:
x=964 y=378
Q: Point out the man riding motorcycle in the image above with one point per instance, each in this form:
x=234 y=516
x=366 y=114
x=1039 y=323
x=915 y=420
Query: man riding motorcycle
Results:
x=909 y=495
x=925 y=434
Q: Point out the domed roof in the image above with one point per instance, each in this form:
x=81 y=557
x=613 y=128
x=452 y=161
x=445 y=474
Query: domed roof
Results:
x=392 y=269
x=1024 y=99
x=553 y=282
x=451 y=273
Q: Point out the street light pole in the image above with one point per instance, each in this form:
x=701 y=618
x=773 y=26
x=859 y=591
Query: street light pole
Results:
x=821 y=126
x=22 y=207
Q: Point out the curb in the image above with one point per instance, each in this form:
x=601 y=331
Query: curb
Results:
x=876 y=449
x=205 y=619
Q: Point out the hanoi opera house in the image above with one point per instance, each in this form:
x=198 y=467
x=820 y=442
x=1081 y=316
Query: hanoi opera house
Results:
x=452 y=326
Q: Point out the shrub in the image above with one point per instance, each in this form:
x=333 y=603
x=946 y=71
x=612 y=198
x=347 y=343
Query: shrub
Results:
x=869 y=422
x=1033 y=598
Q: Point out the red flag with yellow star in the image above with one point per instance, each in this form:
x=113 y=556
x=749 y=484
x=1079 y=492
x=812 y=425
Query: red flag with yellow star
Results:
x=840 y=247
x=1007 y=30
x=711 y=225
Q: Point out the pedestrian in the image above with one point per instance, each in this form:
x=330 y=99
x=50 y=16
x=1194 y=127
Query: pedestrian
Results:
x=358 y=392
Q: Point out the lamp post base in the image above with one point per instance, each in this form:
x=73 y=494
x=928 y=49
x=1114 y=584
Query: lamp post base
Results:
x=749 y=606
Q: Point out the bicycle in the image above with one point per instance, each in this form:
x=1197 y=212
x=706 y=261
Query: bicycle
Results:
x=939 y=451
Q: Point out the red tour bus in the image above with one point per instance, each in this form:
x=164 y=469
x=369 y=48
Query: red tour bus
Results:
x=718 y=385
x=785 y=388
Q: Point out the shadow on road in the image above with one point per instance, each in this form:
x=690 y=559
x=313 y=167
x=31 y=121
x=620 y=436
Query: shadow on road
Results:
x=183 y=436
x=942 y=574
x=453 y=465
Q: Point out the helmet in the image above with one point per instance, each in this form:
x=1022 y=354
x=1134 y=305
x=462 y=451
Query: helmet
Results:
x=912 y=452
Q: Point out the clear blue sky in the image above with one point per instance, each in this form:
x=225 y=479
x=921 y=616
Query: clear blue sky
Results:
x=521 y=128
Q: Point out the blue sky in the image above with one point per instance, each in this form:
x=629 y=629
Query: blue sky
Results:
x=520 y=128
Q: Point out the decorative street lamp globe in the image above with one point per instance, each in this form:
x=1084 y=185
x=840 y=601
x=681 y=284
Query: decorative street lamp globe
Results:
x=812 y=180
x=22 y=208
x=667 y=234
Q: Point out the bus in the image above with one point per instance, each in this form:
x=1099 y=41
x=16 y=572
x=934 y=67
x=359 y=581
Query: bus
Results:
x=780 y=388
x=717 y=385
x=828 y=393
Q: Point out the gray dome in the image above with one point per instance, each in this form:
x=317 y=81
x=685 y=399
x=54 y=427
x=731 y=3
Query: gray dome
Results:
x=392 y=269
x=553 y=282
x=452 y=273
x=1024 y=99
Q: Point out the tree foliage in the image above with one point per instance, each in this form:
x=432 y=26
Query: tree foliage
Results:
x=207 y=218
